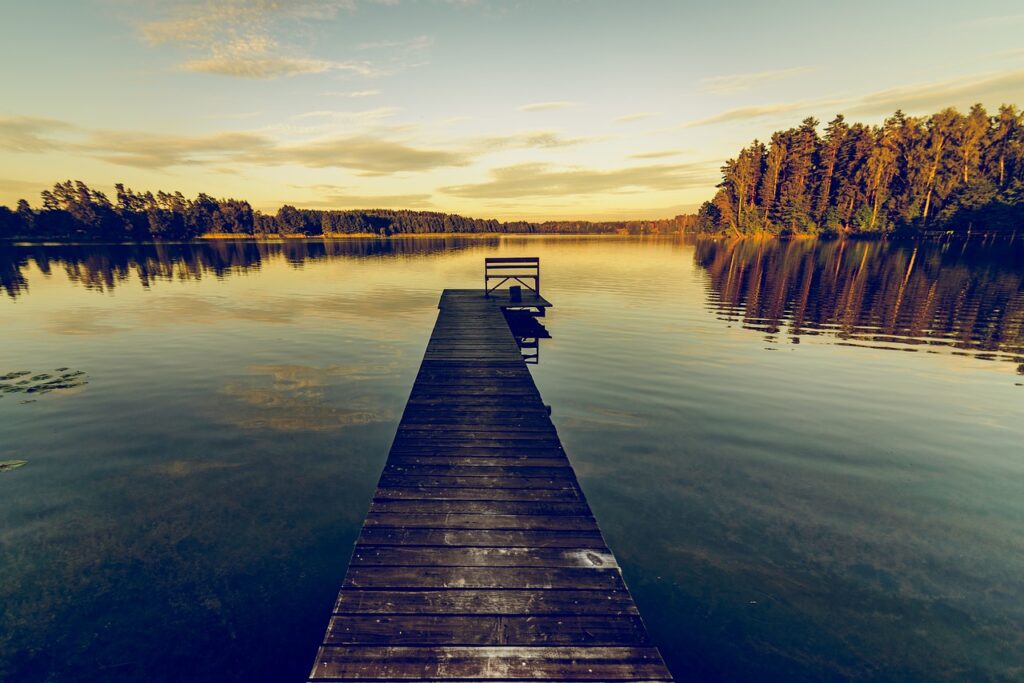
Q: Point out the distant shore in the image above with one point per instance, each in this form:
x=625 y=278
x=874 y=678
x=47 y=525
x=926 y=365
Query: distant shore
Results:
x=429 y=235
x=279 y=237
x=275 y=237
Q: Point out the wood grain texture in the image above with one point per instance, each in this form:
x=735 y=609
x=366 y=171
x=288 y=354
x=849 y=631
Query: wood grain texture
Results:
x=480 y=559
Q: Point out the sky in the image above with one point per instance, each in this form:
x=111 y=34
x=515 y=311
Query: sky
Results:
x=518 y=109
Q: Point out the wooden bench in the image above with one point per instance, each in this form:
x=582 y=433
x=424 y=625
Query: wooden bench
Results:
x=521 y=269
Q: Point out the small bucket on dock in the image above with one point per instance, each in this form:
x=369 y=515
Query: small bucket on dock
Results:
x=515 y=293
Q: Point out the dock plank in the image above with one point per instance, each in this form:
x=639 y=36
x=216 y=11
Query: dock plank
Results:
x=480 y=559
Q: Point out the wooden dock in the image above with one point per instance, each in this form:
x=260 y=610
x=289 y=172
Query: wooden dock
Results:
x=480 y=558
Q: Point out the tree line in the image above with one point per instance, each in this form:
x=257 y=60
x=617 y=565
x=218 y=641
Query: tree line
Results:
x=72 y=211
x=946 y=171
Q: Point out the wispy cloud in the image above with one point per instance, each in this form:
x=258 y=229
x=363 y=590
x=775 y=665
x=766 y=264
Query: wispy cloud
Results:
x=201 y=22
x=339 y=197
x=548 y=106
x=543 y=139
x=369 y=152
x=157 y=151
x=735 y=83
x=351 y=117
x=638 y=116
x=658 y=154
x=260 y=57
x=1000 y=20
x=751 y=112
x=238 y=37
x=352 y=94
x=543 y=180
x=365 y=147
x=991 y=88
x=23 y=186
x=30 y=133
x=413 y=44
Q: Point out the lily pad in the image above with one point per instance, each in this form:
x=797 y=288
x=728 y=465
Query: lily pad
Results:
x=15 y=375
x=8 y=465
x=41 y=383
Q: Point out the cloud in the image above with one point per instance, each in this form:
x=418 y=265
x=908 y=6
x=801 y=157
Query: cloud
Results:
x=417 y=43
x=541 y=180
x=368 y=153
x=201 y=23
x=152 y=151
x=992 y=88
x=367 y=116
x=547 y=106
x=335 y=197
x=260 y=57
x=29 y=133
x=237 y=37
x=729 y=85
x=750 y=112
x=354 y=94
x=547 y=139
x=659 y=154
x=13 y=185
x=639 y=116
x=999 y=20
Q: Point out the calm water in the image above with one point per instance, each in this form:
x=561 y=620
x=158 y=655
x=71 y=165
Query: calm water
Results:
x=807 y=456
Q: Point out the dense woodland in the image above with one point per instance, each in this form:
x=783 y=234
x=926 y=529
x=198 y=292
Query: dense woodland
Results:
x=910 y=175
x=74 y=211
x=947 y=171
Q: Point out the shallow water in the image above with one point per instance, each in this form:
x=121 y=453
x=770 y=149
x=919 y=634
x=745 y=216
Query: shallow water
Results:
x=807 y=456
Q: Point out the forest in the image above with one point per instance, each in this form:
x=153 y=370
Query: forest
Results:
x=72 y=211
x=910 y=175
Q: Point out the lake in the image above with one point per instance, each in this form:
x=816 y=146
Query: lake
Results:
x=806 y=455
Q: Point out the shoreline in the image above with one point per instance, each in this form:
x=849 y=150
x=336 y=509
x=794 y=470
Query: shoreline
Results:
x=278 y=238
x=273 y=238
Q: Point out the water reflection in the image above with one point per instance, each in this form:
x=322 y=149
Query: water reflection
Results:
x=827 y=514
x=967 y=295
x=103 y=267
x=528 y=331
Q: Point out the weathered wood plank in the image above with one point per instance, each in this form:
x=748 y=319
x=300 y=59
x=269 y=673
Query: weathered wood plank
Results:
x=389 y=480
x=562 y=495
x=409 y=448
x=485 y=463
x=447 y=520
x=480 y=538
x=361 y=576
x=558 y=472
x=587 y=558
x=598 y=663
x=466 y=601
x=481 y=507
x=485 y=629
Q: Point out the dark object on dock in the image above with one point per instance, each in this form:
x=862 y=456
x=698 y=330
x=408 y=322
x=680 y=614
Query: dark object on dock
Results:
x=480 y=558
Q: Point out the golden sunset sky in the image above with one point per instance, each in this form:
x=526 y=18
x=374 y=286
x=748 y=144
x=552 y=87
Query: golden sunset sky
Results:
x=520 y=109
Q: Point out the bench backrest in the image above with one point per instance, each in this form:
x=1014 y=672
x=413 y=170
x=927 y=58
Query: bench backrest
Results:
x=508 y=269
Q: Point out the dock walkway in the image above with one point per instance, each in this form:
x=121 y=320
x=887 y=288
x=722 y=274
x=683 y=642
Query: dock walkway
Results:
x=480 y=558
